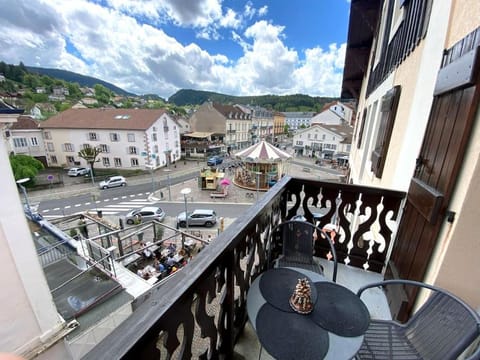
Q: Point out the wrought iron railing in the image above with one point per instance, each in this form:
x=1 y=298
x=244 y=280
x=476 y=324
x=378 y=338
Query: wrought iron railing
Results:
x=201 y=311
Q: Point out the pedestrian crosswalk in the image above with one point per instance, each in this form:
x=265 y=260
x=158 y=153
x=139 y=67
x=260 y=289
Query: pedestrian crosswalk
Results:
x=107 y=207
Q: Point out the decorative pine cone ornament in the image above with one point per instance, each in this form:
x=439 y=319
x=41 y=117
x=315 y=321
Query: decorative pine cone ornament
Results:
x=301 y=299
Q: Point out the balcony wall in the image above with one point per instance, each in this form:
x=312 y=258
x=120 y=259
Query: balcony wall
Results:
x=201 y=311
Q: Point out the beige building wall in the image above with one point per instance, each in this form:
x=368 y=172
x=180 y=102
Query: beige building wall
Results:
x=458 y=250
x=28 y=317
x=207 y=119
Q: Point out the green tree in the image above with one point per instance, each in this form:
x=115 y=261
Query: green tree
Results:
x=90 y=155
x=286 y=128
x=24 y=166
x=102 y=94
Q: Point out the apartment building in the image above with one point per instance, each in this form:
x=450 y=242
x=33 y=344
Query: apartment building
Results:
x=418 y=131
x=127 y=138
x=323 y=141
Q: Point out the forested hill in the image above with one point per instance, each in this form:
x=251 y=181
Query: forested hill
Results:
x=297 y=102
x=82 y=80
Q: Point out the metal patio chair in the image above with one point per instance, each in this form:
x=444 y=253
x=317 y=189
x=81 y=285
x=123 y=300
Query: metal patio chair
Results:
x=298 y=246
x=442 y=328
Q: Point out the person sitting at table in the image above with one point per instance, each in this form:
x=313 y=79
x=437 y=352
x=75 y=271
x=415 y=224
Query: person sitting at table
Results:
x=170 y=261
x=158 y=266
x=147 y=253
x=171 y=248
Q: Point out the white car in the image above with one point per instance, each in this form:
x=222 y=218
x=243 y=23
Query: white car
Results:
x=78 y=171
x=113 y=181
x=146 y=213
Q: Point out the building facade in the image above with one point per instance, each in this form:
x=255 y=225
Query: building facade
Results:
x=418 y=130
x=297 y=119
x=127 y=138
x=25 y=137
x=323 y=141
x=226 y=123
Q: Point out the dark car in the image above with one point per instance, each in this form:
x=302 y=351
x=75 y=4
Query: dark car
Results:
x=214 y=160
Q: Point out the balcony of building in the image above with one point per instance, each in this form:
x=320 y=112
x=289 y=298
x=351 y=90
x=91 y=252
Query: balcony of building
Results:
x=202 y=310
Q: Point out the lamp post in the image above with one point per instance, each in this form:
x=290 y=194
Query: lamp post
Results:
x=168 y=184
x=258 y=173
x=185 y=192
x=20 y=182
x=151 y=167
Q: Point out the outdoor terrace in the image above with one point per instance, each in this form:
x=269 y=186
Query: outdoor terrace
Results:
x=202 y=312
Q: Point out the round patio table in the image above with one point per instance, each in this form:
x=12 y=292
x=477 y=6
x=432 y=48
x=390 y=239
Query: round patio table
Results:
x=333 y=330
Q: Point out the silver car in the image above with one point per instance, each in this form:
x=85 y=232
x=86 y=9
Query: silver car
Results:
x=113 y=181
x=198 y=217
x=144 y=214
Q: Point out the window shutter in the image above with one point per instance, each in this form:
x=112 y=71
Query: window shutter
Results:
x=388 y=110
x=362 y=127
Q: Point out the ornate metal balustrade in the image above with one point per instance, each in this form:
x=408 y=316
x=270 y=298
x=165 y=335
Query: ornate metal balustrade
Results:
x=201 y=311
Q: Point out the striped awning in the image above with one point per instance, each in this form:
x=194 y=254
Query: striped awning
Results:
x=263 y=152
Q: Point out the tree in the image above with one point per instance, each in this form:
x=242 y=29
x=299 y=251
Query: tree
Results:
x=24 y=166
x=90 y=154
x=102 y=94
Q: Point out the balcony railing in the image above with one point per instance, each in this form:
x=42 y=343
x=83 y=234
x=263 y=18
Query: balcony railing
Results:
x=201 y=311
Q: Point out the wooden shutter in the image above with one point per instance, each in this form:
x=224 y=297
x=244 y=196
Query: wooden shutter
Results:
x=362 y=127
x=388 y=111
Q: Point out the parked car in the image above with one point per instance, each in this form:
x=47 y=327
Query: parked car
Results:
x=214 y=160
x=113 y=181
x=198 y=217
x=78 y=171
x=146 y=213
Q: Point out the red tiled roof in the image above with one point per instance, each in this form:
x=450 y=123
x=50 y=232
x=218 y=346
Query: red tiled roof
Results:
x=25 y=122
x=121 y=119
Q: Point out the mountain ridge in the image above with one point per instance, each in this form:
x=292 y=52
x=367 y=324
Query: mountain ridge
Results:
x=82 y=80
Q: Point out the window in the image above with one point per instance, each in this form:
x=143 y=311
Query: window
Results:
x=154 y=129
x=106 y=161
x=132 y=150
x=114 y=137
x=50 y=147
x=155 y=149
x=20 y=142
x=299 y=143
x=388 y=111
x=47 y=135
x=104 y=148
x=131 y=137
x=68 y=147
x=118 y=162
x=154 y=137
x=86 y=146
x=92 y=136
x=134 y=162
x=34 y=141
x=70 y=159
x=323 y=137
x=53 y=159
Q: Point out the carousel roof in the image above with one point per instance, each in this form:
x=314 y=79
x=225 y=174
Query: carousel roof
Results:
x=263 y=151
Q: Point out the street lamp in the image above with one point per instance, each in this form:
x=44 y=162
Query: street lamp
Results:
x=20 y=182
x=151 y=167
x=185 y=192
x=258 y=173
x=168 y=183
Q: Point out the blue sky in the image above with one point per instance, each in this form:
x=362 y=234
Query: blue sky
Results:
x=234 y=47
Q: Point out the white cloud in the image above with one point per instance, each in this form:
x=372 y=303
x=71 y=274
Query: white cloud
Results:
x=110 y=44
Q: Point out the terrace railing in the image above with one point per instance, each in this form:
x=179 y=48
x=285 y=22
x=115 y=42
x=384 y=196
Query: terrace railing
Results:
x=201 y=311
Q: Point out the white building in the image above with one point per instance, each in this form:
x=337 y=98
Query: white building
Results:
x=29 y=321
x=25 y=137
x=298 y=119
x=335 y=113
x=128 y=138
x=323 y=141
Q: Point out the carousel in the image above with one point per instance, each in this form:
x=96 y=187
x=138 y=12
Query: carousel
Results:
x=262 y=165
